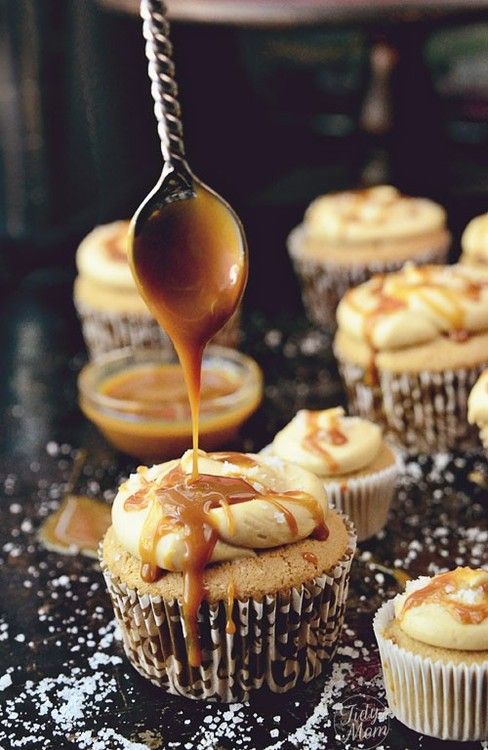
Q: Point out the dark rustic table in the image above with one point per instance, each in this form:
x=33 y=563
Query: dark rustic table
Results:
x=64 y=680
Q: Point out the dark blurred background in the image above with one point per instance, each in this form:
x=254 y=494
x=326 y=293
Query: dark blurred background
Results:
x=281 y=102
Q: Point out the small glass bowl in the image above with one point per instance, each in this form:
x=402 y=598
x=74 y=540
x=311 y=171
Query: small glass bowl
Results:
x=135 y=427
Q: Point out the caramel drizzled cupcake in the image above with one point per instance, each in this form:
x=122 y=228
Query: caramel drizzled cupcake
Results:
x=478 y=406
x=229 y=582
x=349 y=456
x=433 y=643
x=112 y=313
x=347 y=237
x=410 y=346
x=474 y=242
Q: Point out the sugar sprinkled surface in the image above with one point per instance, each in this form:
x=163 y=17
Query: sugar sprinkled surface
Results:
x=67 y=683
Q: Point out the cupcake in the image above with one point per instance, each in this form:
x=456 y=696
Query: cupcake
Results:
x=474 y=242
x=349 y=456
x=112 y=313
x=227 y=583
x=410 y=346
x=347 y=237
x=478 y=406
x=433 y=643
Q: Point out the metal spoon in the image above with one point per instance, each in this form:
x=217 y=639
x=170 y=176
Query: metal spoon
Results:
x=177 y=182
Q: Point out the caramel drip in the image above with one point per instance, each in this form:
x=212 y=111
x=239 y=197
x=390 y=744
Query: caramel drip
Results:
x=316 y=435
x=310 y=557
x=435 y=593
x=179 y=502
x=189 y=261
x=230 y=626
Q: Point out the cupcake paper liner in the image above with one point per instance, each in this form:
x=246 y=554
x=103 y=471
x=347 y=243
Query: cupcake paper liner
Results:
x=437 y=698
x=323 y=284
x=280 y=641
x=106 y=331
x=365 y=500
x=421 y=412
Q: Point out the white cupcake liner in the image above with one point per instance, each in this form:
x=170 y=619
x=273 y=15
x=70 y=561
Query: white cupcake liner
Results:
x=105 y=331
x=437 y=698
x=280 y=641
x=365 y=500
x=421 y=412
x=324 y=283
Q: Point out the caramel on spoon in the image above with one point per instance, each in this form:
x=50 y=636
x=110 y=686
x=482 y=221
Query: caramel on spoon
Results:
x=187 y=248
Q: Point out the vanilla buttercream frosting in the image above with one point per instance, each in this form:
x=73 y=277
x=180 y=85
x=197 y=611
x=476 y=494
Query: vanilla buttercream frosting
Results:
x=474 y=242
x=449 y=610
x=243 y=528
x=376 y=213
x=415 y=305
x=102 y=256
x=327 y=442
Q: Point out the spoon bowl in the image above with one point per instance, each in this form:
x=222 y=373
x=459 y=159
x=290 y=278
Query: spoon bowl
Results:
x=188 y=255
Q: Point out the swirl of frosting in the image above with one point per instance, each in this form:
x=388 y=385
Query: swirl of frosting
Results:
x=102 y=256
x=474 y=241
x=257 y=503
x=375 y=213
x=327 y=443
x=415 y=305
x=449 y=610
x=478 y=401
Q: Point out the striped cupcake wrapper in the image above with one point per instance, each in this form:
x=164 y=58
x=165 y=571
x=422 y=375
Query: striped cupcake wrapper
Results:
x=280 y=641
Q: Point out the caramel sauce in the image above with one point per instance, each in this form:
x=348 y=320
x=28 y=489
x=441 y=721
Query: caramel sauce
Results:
x=316 y=435
x=177 y=501
x=78 y=525
x=159 y=390
x=310 y=557
x=230 y=626
x=238 y=459
x=435 y=593
x=190 y=264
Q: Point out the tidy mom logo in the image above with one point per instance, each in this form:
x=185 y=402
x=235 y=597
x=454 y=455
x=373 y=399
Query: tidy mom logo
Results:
x=361 y=721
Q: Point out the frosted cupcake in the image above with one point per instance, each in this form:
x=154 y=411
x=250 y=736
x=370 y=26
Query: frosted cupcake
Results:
x=112 y=313
x=474 y=242
x=230 y=582
x=433 y=643
x=478 y=407
x=410 y=346
x=349 y=456
x=347 y=237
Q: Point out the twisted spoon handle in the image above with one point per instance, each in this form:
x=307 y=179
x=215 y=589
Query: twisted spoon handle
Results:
x=163 y=85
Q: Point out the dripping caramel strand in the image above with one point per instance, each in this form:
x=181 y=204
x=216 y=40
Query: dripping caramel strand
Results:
x=436 y=592
x=230 y=626
x=177 y=501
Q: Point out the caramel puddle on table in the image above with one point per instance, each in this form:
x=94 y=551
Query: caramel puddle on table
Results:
x=80 y=522
x=77 y=527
